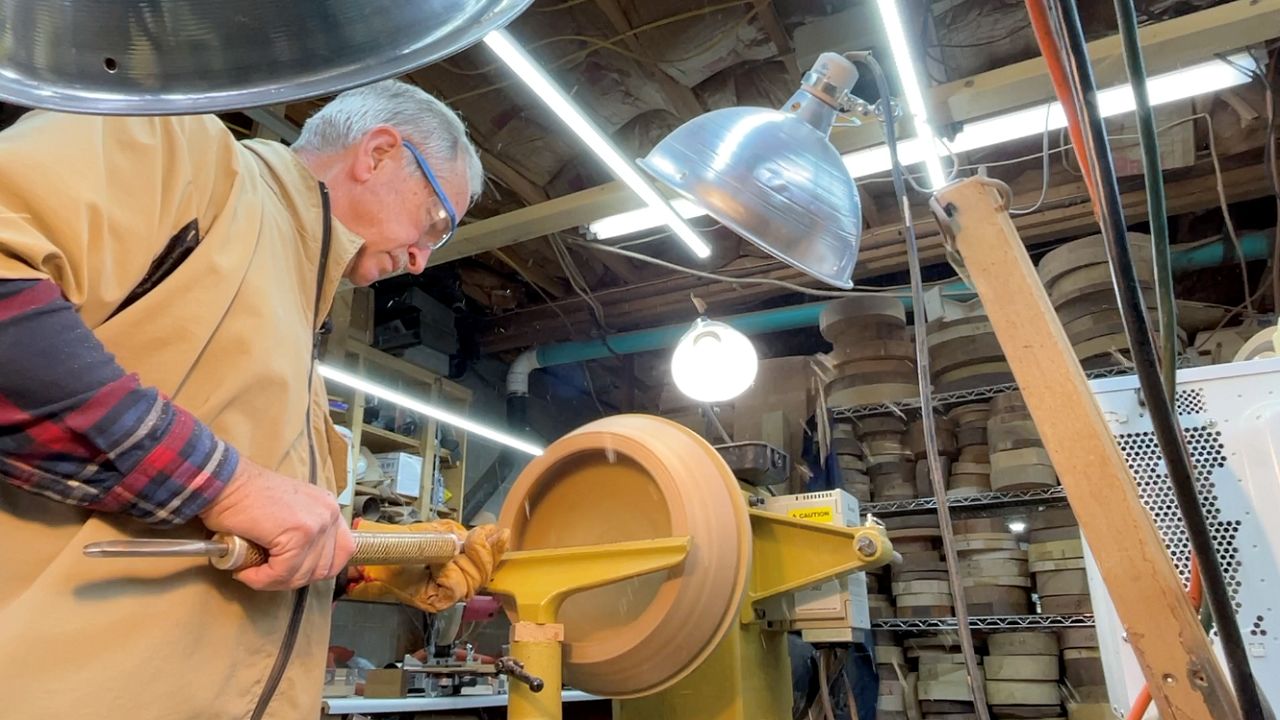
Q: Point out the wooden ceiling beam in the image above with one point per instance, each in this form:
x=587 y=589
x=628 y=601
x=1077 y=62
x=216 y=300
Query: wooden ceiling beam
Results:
x=881 y=254
x=778 y=34
x=554 y=286
x=682 y=99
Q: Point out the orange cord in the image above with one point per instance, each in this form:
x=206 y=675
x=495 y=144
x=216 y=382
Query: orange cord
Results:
x=1039 y=12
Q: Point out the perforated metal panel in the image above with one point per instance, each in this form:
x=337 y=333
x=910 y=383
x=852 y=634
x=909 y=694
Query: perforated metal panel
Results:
x=1230 y=415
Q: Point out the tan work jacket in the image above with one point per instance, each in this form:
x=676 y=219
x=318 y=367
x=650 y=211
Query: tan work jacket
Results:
x=92 y=203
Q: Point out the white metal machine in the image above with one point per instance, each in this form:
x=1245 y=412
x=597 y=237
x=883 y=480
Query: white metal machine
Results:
x=828 y=613
x=1230 y=415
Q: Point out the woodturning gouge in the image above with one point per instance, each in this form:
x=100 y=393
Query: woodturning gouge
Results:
x=232 y=553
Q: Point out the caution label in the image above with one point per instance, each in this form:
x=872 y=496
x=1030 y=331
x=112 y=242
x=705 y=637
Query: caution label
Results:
x=817 y=514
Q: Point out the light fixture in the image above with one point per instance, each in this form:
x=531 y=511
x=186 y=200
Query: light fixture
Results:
x=1179 y=85
x=713 y=362
x=909 y=79
x=505 y=47
x=181 y=57
x=1017 y=526
x=391 y=395
x=772 y=176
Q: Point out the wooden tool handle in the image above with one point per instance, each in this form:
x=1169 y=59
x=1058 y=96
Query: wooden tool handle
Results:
x=372 y=548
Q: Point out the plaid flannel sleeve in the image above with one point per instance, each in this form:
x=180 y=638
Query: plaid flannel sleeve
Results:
x=75 y=428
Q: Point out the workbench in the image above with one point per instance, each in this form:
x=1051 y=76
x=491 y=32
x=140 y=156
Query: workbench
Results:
x=336 y=707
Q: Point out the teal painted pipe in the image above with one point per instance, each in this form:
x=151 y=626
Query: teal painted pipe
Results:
x=1256 y=246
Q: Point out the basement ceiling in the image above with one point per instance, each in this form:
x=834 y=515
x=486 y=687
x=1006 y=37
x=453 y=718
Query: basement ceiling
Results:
x=642 y=67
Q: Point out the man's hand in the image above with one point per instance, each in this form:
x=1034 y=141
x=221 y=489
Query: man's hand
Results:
x=298 y=524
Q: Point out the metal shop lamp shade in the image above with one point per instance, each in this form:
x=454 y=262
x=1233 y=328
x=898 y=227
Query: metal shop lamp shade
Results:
x=158 y=57
x=772 y=176
x=713 y=362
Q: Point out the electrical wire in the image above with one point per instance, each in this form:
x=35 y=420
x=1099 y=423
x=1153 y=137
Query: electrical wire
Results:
x=576 y=280
x=610 y=44
x=1044 y=180
x=1157 y=212
x=1137 y=330
x=934 y=460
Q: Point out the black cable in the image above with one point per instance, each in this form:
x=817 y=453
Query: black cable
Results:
x=936 y=476
x=1138 y=332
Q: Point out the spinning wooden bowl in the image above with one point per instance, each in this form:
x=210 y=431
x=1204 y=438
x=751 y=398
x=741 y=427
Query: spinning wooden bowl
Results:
x=629 y=478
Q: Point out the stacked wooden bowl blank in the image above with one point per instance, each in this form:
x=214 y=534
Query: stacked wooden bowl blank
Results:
x=963 y=351
x=889 y=460
x=1077 y=277
x=971 y=471
x=993 y=567
x=1017 y=455
x=944 y=431
x=852 y=459
x=1083 y=676
x=941 y=678
x=1056 y=556
x=879 y=601
x=873 y=359
x=891 y=666
x=1022 y=675
x=920 y=587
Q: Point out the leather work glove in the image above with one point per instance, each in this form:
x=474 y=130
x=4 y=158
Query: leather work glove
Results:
x=432 y=589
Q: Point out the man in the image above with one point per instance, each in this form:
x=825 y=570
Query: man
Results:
x=161 y=288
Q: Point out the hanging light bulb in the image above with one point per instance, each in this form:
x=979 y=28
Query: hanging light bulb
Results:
x=713 y=362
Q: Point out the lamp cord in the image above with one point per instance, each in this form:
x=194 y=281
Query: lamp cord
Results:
x=936 y=478
x=1137 y=330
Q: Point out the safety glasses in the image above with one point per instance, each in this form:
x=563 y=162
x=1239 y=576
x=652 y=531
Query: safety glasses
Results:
x=444 y=199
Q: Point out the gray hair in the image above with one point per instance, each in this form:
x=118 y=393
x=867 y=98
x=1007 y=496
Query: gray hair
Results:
x=429 y=124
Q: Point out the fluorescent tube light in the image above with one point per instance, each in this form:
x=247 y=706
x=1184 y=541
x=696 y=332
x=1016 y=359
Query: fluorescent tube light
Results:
x=1169 y=87
x=527 y=70
x=639 y=219
x=391 y=395
x=910 y=81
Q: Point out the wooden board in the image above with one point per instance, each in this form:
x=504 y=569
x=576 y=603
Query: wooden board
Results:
x=1083 y=670
x=1021 y=667
x=926 y=611
x=1008 y=401
x=976 y=453
x=1069 y=532
x=1003 y=554
x=914 y=533
x=1027 y=712
x=876 y=369
x=1066 y=605
x=1085 y=280
x=931 y=672
x=1087 y=251
x=1102 y=347
x=998 y=580
x=965 y=468
x=869 y=426
x=848 y=395
x=930 y=599
x=995 y=568
x=889 y=654
x=977 y=542
x=945 y=690
x=968 y=483
x=1089 y=303
x=1057 y=550
x=1090 y=711
x=1022 y=643
x=971 y=414
x=1070 y=638
x=907 y=587
x=863 y=309
x=971 y=436
x=997 y=600
x=1052 y=565
x=1007 y=459
x=873 y=350
x=1022 y=477
x=1062 y=582
x=1021 y=692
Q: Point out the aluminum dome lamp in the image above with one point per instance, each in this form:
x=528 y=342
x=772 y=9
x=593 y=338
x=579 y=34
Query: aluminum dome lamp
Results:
x=772 y=176
x=163 y=57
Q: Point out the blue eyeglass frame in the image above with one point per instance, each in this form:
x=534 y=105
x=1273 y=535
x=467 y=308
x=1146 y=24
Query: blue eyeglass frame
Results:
x=435 y=185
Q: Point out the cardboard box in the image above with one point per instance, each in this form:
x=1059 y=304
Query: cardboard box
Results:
x=405 y=471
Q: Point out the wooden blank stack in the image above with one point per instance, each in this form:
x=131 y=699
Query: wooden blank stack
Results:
x=1086 y=684
x=888 y=458
x=1022 y=675
x=963 y=351
x=1018 y=458
x=852 y=458
x=873 y=360
x=1056 y=554
x=947 y=451
x=891 y=666
x=1077 y=277
x=920 y=586
x=879 y=601
x=942 y=683
x=994 y=568
x=971 y=472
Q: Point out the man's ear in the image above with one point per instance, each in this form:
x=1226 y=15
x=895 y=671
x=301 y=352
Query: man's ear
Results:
x=378 y=147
